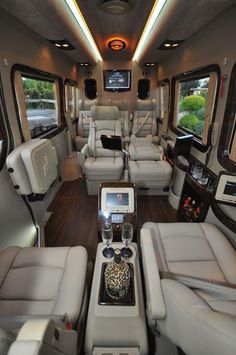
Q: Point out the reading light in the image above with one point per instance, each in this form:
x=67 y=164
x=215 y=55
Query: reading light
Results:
x=74 y=8
x=57 y=45
x=167 y=45
x=157 y=7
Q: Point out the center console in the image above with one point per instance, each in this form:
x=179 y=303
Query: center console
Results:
x=116 y=326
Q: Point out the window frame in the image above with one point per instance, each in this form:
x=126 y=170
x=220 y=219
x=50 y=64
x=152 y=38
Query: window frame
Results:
x=35 y=73
x=191 y=75
x=7 y=142
x=227 y=137
x=74 y=85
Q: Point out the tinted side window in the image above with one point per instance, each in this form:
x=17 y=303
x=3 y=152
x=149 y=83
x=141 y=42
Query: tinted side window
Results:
x=90 y=88
x=143 y=89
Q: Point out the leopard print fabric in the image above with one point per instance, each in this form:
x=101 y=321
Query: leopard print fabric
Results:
x=117 y=279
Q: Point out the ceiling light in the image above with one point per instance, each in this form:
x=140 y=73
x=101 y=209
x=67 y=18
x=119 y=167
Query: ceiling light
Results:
x=116 y=44
x=148 y=27
x=116 y=7
x=74 y=8
x=169 y=44
x=62 y=44
x=149 y=64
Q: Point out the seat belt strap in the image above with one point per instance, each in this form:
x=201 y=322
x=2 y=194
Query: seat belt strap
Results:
x=142 y=124
x=225 y=289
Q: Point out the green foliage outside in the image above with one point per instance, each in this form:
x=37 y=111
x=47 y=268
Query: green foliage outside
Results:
x=195 y=106
x=189 y=122
x=192 y=103
x=38 y=89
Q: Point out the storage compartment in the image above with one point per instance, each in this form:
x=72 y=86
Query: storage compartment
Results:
x=196 y=198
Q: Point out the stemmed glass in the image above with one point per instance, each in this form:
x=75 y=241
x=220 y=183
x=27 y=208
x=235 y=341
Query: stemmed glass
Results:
x=127 y=236
x=107 y=237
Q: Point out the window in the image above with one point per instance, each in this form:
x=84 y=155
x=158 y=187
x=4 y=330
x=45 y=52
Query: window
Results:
x=90 y=88
x=227 y=143
x=143 y=89
x=194 y=103
x=163 y=93
x=163 y=88
x=38 y=101
x=71 y=97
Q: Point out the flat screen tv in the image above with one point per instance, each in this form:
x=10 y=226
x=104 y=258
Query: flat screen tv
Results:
x=183 y=145
x=117 y=80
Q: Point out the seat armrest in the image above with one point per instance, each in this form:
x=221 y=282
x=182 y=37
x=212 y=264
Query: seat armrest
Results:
x=44 y=336
x=156 y=308
x=81 y=156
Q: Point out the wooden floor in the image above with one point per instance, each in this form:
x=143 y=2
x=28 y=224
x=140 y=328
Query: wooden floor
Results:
x=74 y=216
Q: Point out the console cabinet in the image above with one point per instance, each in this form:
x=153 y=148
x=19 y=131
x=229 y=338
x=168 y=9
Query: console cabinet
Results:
x=195 y=198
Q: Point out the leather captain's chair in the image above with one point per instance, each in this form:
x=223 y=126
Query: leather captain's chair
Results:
x=41 y=289
x=102 y=164
x=178 y=259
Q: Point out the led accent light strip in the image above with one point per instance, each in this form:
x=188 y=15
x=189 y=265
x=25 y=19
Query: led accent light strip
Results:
x=74 y=8
x=157 y=7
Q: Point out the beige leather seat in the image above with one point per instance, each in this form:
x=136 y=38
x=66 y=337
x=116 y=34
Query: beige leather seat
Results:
x=40 y=282
x=144 y=120
x=102 y=164
x=83 y=122
x=146 y=165
x=199 y=318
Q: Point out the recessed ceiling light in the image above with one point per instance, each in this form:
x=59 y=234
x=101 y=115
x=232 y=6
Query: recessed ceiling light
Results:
x=116 y=7
x=148 y=27
x=169 y=44
x=62 y=44
x=74 y=8
x=116 y=44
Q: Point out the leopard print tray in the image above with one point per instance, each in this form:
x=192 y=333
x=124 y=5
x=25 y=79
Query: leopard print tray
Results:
x=105 y=300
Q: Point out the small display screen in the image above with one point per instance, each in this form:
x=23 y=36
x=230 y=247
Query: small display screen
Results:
x=117 y=199
x=230 y=188
x=117 y=80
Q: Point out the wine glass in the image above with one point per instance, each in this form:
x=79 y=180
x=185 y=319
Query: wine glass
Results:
x=127 y=236
x=107 y=237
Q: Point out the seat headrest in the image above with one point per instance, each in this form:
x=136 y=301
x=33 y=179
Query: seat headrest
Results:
x=145 y=105
x=121 y=104
x=85 y=105
x=108 y=113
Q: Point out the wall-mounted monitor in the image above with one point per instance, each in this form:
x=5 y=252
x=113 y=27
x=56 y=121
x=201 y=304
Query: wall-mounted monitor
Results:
x=226 y=188
x=117 y=80
x=183 y=145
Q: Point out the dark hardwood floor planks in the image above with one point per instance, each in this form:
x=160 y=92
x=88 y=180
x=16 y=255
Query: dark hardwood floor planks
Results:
x=74 y=216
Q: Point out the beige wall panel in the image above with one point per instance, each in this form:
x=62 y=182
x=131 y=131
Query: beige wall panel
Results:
x=211 y=45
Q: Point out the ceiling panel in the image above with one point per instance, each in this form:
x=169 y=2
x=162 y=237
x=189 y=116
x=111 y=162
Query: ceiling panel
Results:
x=104 y=26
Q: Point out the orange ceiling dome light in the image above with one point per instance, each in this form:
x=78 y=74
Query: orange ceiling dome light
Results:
x=116 y=44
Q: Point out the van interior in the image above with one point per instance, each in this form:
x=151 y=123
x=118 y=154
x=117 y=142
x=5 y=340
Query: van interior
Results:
x=117 y=177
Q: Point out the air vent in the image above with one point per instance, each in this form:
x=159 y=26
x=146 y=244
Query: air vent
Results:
x=116 y=7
